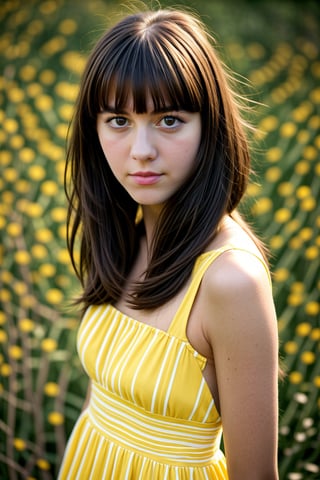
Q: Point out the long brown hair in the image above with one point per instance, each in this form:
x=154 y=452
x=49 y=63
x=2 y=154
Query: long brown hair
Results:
x=169 y=55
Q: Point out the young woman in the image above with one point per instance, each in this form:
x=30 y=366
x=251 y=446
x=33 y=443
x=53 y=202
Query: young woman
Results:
x=179 y=332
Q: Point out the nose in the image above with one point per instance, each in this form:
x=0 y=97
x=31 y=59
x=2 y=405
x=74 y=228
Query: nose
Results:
x=143 y=144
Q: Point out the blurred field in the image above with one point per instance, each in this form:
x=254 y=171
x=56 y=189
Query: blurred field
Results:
x=43 y=46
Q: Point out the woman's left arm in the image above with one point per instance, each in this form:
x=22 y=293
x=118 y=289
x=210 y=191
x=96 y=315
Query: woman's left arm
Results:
x=244 y=340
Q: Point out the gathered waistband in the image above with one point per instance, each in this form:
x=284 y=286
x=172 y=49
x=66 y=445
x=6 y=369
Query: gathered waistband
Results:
x=165 y=439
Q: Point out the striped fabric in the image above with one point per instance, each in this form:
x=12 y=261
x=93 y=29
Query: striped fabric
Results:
x=151 y=415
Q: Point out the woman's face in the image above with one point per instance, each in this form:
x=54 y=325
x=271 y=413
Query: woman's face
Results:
x=151 y=154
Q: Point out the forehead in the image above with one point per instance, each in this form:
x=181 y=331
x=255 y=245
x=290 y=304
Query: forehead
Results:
x=129 y=102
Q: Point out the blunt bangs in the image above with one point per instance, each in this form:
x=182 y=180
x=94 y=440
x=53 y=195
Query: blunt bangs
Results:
x=142 y=66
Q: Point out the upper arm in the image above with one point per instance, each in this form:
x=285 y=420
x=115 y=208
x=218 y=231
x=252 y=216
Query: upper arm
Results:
x=244 y=340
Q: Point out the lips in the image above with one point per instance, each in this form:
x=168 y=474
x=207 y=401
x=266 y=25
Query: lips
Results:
x=145 y=178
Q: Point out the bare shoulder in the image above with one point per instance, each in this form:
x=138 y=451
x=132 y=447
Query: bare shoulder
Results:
x=237 y=288
x=237 y=270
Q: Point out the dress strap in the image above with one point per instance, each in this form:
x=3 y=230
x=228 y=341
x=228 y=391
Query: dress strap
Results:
x=179 y=323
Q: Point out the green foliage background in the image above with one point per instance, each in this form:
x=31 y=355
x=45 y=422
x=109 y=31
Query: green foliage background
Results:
x=43 y=46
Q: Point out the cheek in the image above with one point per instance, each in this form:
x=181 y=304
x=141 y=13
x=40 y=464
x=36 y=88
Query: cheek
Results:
x=109 y=148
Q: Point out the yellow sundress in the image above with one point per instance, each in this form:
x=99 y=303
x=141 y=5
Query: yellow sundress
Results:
x=151 y=415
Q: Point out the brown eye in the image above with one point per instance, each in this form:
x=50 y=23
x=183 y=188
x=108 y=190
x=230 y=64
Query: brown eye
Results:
x=117 y=122
x=170 y=121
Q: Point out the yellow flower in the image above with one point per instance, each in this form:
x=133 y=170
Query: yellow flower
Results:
x=54 y=45
x=34 y=89
x=43 y=235
x=3 y=336
x=303 y=136
x=44 y=103
x=54 y=296
x=19 y=444
x=22 y=257
x=308 y=204
x=273 y=174
x=5 y=157
x=315 y=95
x=16 y=95
x=302 y=167
x=282 y=215
x=315 y=334
x=20 y=288
x=36 y=172
x=55 y=418
x=316 y=381
x=5 y=369
x=8 y=197
x=306 y=233
x=47 y=77
x=268 y=124
x=288 y=129
x=308 y=358
x=51 y=389
x=285 y=189
x=22 y=186
x=59 y=214
x=10 y=125
x=47 y=270
x=67 y=91
x=34 y=210
x=63 y=256
x=310 y=152
x=27 y=73
x=66 y=112
x=253 y=189
x=314 y=122
x=276 y=242
x=43 y=464
x=295 y=243
x=263 y=205
x=297 y=287
x=3 y=319
x=49 y=345
x=14 y=229
x=281 y=275
x=5 y=295
x=301 y=113
x=295 y=299
x=312 y=308
x=15 y=352
x=291 y=347
x=6 y=277
x=303 y=191
x=303 y=329
x=73 y=61
x=26 y=325
x=312 y=253
x=274 y=154
x=68 y=26
x=62 y=130
x=28 y=301
x=27 y=155
x=35 y=26
x=39 y=251
x=295 y=377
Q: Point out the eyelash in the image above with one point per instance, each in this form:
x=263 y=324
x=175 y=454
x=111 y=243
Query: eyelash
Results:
x=175 y=118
